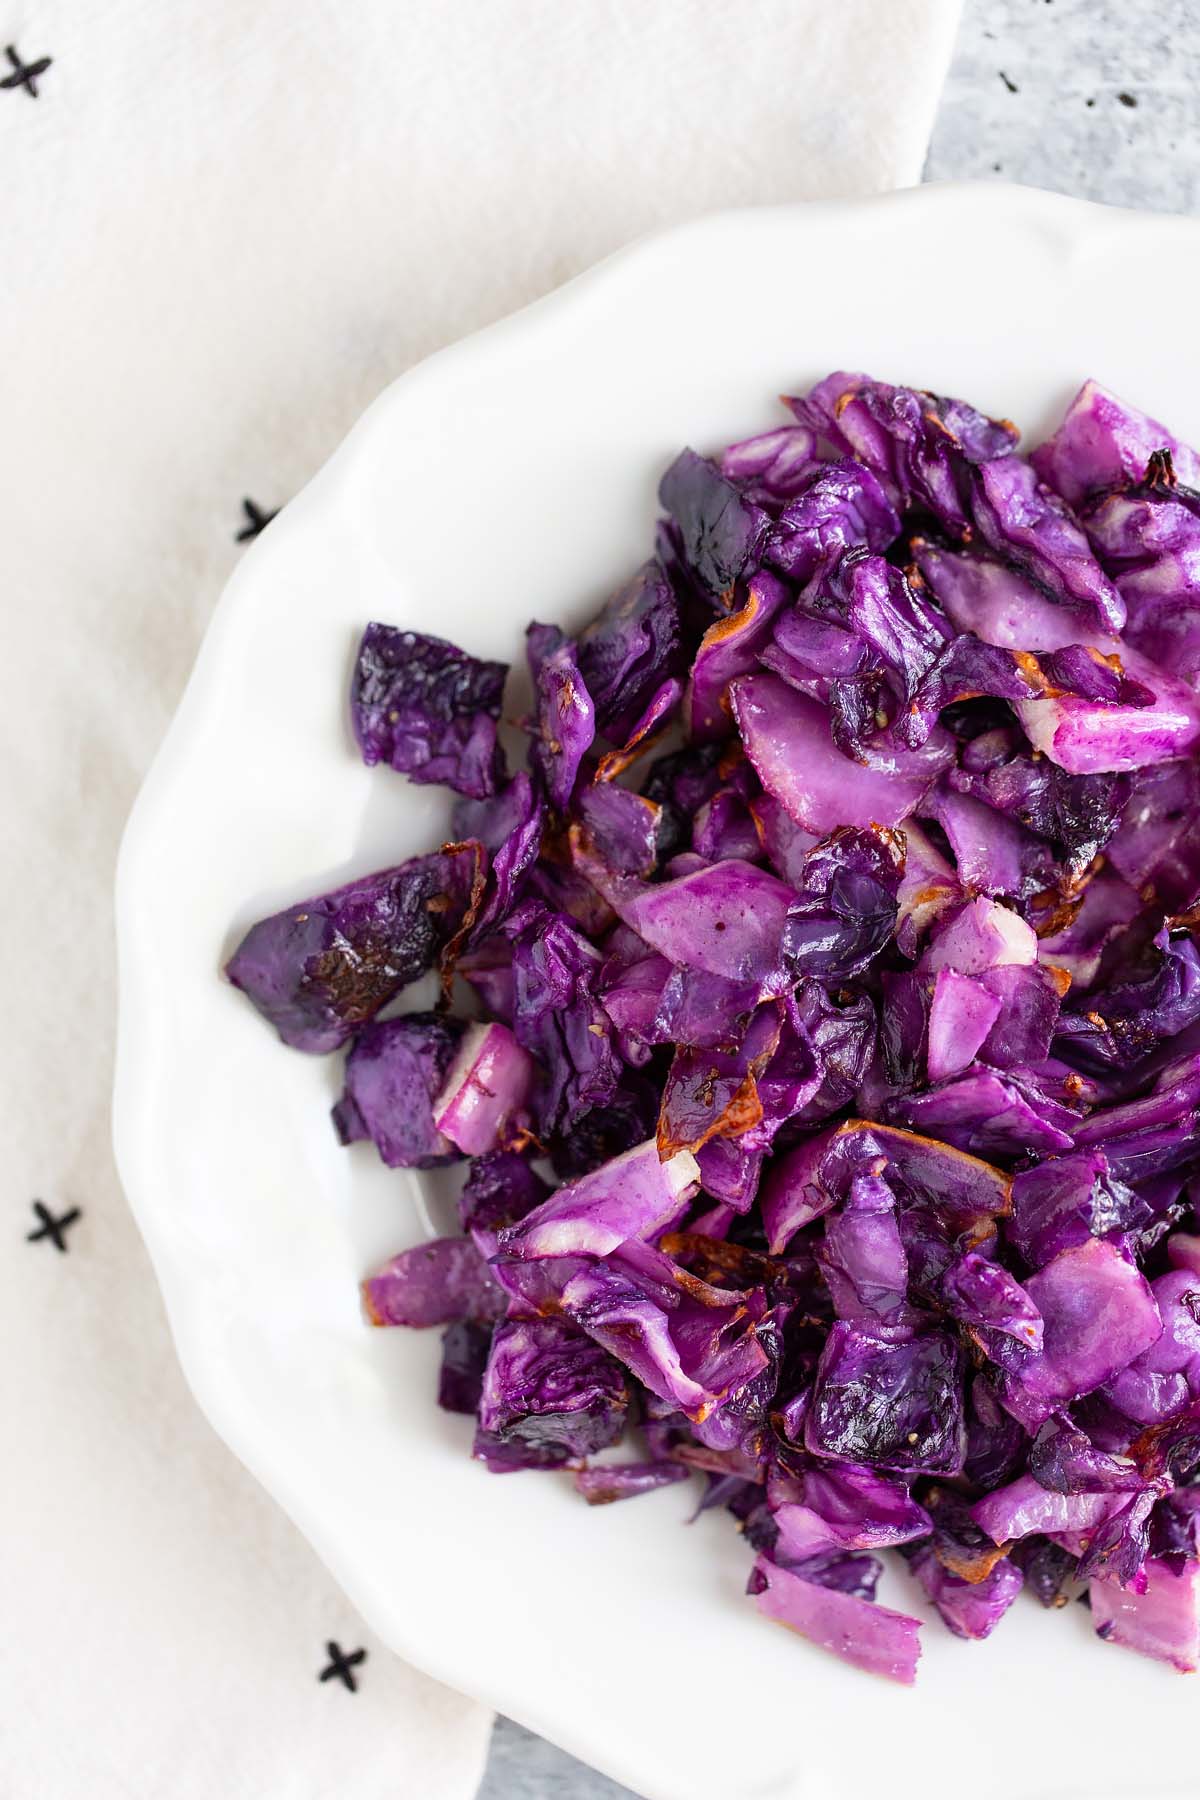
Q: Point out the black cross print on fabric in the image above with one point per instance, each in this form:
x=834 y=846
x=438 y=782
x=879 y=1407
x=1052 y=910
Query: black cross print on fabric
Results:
x=342 y=1665
x=256 y=520
x=51 y=1227
x=25 y=75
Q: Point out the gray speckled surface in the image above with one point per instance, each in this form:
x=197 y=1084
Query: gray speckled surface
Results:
x=1103 y=105
x=1102 y=108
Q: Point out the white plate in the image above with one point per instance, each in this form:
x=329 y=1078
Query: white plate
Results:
x=511 y=477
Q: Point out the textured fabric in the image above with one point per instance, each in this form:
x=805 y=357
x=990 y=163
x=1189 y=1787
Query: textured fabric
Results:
x=225 y=228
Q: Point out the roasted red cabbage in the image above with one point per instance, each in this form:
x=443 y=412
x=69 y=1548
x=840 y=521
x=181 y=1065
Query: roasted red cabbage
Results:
x=820 y=1018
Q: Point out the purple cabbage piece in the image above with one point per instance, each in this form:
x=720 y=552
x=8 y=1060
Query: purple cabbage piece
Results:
x=772 y=466
x=1149 y=540
x=642 y=730
x=565 y=725
x=622 y=827
x=436 y=1283
x=488 y=967
x=1047 y=1568
x=721 y=533
x=870 y=1637
x=843 y=505
x=1086 y=736
x=807 y=1182
x=729 y=1173
x=1061 y=1204
x=510 y=828
x=494 y=820
x=993 y=853
x=631 y=989
x=1029 y=525
x=962 y=1012
x=1106 y=1528
x=894 y=1406
x=679 y=784
x=822 y=659
x=921 y=445
x=607 y=1133
x=1163 y=1621
x=1065 y=1459
x=1148 y=537
x=629 y=648
x=996 y=1443
x=500 y=1190
x=851 y=1572
x=724 y=829
x=982 y=1294
x=1175 y=1528
x=1109 y=906
x=845 y=1506
x=989 y=1114
x=690 y=1344
x=804 y=1076
x=1029 y=997
x=561 y=887
x=964 y=669
x=955 y=1538
x=558 y=1018
x=548 y=1385
x=321 y=969
x=635 y=1195
x=714 y=1093
x=904 y=635
x=1077 y=814
x=1024 y=1506
x=728 y=648
x=1117 y=1549
x=840 y=1031
x=610 y=1131
x=725 y=919
x=928 y=888
x=482 y=1102
x=1157 y=845
x=602 y=1484
x=1104 y=443
x=1166 y=1375
x=1085 y=674
x=428 y=709
x=788 y=739
x=1099 y=1314
x=703 y=1010
x=509 y=1456
x=465 y=1346
x=784 y=843
x=863 y=1260
x=906 y=997
x=1133 y=1018
x=1153 y=1137
x=1003 y=607
x=971 y=1609
x=395 y=1069
x=846 y=912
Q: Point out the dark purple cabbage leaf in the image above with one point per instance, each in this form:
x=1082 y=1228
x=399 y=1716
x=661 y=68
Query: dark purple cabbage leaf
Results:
x=424 y=707
x=319 y=970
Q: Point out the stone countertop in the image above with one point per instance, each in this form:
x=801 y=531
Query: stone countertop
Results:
x=1092 y=98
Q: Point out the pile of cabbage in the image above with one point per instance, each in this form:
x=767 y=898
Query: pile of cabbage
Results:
x=820 y=1018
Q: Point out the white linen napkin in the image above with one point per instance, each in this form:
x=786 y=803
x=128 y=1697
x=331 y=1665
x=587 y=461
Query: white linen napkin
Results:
x=224 y=228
